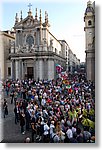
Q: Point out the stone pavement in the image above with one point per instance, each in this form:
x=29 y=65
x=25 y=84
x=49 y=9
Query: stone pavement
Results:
x=11 y=131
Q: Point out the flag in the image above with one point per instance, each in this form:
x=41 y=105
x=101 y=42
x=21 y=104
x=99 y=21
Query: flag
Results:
x=64 y=75
x=58 y=68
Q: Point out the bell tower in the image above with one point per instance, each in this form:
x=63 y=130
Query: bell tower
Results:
x=89 y=19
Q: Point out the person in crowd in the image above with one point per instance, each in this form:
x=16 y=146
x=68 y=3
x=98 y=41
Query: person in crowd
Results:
x=57 y=110
x=33 y=132
x=12 y=96
x=46 y=132
x=17 y=113
x=22 y=122
x=5 y=108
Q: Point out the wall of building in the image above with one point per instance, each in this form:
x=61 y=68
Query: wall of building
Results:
x=1 y=57
x=89 y=19
x=56 y=46
x=7 y=38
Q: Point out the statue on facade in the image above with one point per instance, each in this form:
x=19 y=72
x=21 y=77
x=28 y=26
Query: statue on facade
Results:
x=32 y=48
x=45 y=41
x=44 y=44
x=18 y=49
x=27 y=48
x=23 y=48
x=12 y=44
x=90 y=45
x=51 y=44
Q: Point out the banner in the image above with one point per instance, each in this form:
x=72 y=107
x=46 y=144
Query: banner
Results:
x=58 y=68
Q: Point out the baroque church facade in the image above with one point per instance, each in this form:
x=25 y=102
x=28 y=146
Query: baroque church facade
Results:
x=35 y=52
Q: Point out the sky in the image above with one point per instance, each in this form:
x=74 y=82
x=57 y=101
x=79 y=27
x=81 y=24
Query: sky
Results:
x=65 y=17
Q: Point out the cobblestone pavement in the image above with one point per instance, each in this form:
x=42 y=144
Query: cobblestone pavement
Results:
x=11 y=131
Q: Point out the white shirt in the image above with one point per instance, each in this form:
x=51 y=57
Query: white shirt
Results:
x=36 y=97
x=69 y=133
x=46 y=128
x=73 y=129
x=43 y=102
x=51 y=128
x=44 y=95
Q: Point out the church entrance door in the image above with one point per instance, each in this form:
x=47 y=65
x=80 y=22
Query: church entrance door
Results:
x=29 y=72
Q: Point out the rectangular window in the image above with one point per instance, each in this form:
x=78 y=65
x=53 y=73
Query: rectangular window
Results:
x=66 y=53
x=9 y=71
x=9 y=46
x=66 y=47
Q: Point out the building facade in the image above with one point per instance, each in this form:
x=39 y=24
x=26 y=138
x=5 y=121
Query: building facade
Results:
x=6 y=38
x=73 y=62
x=35 y=52
x=89 y=19
x=32 y=51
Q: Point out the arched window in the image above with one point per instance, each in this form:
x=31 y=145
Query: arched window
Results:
x=30 y=40
x=89 y=22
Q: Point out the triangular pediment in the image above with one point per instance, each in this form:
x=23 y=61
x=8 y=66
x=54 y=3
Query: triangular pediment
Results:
x=27 y=22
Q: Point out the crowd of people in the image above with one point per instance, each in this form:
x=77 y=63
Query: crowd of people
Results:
x=56 y=111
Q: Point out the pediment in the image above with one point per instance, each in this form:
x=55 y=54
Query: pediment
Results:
x=27 y=22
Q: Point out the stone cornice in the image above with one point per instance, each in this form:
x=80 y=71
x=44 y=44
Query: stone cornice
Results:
x=54 y=37
x=8 y=35
x=39 y=55
x=90 y=51
x=89 y=27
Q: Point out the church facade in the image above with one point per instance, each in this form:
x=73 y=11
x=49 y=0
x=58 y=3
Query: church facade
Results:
x=30 y=50
x=36 y=52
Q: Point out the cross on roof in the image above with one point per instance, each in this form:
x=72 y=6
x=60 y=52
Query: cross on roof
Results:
x=29 y=6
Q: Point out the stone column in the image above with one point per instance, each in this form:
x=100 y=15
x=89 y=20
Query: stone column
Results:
x=34 y=69
x=50 y=69
x=41 y=69
x=40 y=40
x=71 y=67
x=13 y=69
x=24 y=70
x=37 y=69
x=20 y=69
x=17 y=69
x=37 y=37
x=40 y=35
x=45 y=69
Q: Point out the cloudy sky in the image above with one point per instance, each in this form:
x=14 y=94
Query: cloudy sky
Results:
x=65 y=18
